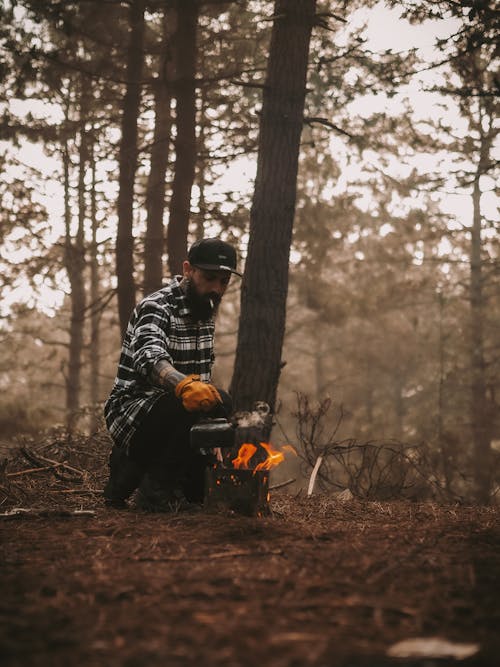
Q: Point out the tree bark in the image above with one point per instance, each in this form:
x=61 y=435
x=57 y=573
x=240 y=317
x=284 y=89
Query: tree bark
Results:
x=155 y=197
x=201 y=166
x=185 y=144
x=479 y=413
x=265 y=283
x=481 y=416
x=127 y=166
x=95 y=339
x=75 y=266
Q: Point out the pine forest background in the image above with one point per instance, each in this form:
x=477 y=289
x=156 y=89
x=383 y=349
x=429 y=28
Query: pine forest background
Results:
x=129 y=129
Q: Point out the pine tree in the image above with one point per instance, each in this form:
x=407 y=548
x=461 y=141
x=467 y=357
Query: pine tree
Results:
x=126 y=289
x=265 y=283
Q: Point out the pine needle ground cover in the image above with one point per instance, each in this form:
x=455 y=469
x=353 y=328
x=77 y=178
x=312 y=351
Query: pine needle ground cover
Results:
x=318 y=582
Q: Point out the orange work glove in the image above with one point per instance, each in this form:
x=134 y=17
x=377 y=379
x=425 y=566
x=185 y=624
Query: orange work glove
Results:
x=197 y=395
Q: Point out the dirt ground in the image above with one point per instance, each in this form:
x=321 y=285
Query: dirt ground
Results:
x=319 y=582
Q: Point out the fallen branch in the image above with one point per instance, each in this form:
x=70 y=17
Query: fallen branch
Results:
x=220 y=554
x=36 y=459
x=28 y=471
x=79 y=491
x=314 y=473
x=282 y=484
x=20 y=512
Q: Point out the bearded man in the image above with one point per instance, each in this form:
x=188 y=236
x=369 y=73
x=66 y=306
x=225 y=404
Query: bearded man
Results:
x=163 y=385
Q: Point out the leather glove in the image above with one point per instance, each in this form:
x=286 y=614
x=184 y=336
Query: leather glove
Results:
x=197 y=395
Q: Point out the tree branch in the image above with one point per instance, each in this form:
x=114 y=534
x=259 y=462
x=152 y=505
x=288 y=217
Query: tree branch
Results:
x=324 y=121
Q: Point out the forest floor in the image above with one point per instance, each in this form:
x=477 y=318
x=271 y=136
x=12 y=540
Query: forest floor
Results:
x=319 y=582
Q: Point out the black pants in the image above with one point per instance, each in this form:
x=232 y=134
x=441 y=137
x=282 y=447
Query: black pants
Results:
x=161 y=449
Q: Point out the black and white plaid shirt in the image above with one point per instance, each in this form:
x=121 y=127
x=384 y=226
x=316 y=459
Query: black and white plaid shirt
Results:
x=161 y=327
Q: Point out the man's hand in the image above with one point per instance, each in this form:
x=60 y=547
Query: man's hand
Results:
x=217 y=453
x=197 y=395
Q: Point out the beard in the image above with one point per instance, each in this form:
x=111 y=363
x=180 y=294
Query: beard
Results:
x=202 y=306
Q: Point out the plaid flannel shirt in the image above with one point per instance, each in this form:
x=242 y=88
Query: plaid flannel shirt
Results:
x=161 y=327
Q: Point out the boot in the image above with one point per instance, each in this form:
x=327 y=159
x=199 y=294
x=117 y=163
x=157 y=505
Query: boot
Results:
x=159 y=495
x=124 y=477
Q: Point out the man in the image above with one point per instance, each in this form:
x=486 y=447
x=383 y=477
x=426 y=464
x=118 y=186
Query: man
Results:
x=163 y=384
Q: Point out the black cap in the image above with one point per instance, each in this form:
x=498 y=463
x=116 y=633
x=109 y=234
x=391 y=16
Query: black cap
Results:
x=213 y=255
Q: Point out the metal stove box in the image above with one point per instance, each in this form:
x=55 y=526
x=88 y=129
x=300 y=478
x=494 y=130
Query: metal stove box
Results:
x=242 y=491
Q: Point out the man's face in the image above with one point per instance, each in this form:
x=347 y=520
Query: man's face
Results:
x=205 y=290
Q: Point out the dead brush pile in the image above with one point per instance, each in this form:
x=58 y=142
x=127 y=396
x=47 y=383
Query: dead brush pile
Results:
x=52 y=469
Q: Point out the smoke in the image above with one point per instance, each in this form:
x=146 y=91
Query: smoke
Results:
x=257 y=418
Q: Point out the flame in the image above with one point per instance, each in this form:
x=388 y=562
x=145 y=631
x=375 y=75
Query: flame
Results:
x=273 y=458
x=245 y=453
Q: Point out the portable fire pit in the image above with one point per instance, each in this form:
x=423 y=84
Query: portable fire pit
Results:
x=237 y=490
x=243 y=486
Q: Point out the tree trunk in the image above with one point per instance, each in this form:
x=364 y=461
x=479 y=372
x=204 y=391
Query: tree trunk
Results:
x=202 y=166
x=127 y=166
x=94 y=300
x=185 y=144
x=265 y=283
x=75 y=266
x=155 y=197
x=368 y=394
x=319 y=364
x=399 y=406
x=479 y=414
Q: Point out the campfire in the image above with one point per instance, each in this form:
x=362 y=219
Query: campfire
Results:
x=244 y=487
